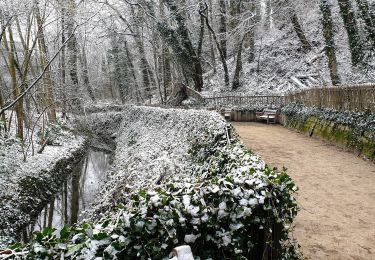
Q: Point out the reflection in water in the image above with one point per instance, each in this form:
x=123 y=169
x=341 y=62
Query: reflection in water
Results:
x=77 y=193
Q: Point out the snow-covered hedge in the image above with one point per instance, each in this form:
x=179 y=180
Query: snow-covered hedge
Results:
x=360 y=120
x=181 y=177
x=26 y=187
x=353 y=129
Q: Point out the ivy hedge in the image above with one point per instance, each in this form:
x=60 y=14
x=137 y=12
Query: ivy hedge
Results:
x=354 y=130
x=228 y=205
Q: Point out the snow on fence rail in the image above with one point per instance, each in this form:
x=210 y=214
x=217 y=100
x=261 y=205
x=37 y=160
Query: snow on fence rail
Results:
x=342 y=98
x=348 y=98
x=274 y=101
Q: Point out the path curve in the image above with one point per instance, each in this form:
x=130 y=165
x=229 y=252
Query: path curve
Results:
x=336 y=196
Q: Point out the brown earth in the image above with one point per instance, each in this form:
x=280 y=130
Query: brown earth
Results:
x=336 y=191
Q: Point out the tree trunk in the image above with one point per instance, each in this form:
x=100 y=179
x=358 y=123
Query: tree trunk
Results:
x=2 y=102
x=212 y=46
x=15 y=88
x=147 y=74
x=180 y=41
x=267 y=16
x=221 y=51
x=51 y=212
x=223 y=27
x=85 y=74
x=355 y=42
x=201 y=37
x=299 y=31
x=329 y=40
x=62 y=63
x=49 y=101
x=250 y=36
x=365 y=12
x=234 y=10
x=178 y=95
x=237 y=72
x=72 y=50
x=74 y=201
x=132 y=71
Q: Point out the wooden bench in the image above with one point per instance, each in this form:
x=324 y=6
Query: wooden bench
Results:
x=270 y=115
x=227 y=113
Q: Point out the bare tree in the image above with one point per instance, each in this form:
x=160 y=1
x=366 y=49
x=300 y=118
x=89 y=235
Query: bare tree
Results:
x=330 y=42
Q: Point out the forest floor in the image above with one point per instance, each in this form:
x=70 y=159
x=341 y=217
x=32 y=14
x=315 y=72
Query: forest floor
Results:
x=336 y=191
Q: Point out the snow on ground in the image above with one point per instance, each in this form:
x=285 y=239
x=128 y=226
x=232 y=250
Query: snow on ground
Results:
x=17 y=178
x=279 y=56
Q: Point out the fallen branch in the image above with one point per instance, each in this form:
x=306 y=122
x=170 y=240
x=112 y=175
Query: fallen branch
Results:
x=298 y=82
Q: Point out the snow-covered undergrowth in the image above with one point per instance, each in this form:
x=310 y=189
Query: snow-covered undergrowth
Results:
x=180 y=177
x=27 y=186
x=279 y=56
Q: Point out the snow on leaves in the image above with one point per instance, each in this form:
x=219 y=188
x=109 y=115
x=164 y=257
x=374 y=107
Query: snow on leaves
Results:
x=203 y=190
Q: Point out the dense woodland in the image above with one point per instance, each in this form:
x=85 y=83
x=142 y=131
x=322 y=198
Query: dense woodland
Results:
x=58 y=56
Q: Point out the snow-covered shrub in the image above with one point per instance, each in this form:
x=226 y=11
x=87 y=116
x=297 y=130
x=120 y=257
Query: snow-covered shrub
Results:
x=51 y=134
x=361 y=121
x=218 y=197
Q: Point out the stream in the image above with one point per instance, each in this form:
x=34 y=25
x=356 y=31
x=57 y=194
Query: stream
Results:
x=77 y=193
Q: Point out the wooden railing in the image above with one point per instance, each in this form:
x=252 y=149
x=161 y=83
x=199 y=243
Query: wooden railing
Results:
x=349 y=98
x=342 y=98
x=247 y=101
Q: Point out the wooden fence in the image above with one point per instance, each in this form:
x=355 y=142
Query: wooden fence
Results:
x=342 y=98
x=351 y=98
x=246 y=101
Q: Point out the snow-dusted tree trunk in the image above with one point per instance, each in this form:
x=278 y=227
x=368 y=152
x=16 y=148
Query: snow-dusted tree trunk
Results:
x=12 y=68
x=212 y=45
x=165 y=60
x=250 y=36
x=72 y=51
x=2 y=116
x=62 y=62
x=179 y=40
x=267 y=15
x=369 y=20
x=132 y=71
x=329 y=40
x=350 y=23
x=223 y=27
x=237 y=72
x=85 y=73
x=299 y=31
x=147 y=75
x=48 y=96
x=221 y=51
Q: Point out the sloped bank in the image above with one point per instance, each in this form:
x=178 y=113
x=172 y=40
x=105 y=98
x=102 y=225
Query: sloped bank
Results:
x=181 y=177
x=26 y=187
x=351 y=130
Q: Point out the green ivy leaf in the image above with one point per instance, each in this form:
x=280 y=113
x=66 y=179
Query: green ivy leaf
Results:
x=65 y=232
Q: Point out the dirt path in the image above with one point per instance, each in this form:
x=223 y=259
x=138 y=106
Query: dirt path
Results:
x=336 y=196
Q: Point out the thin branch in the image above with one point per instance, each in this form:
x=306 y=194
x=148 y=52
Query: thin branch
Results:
x=3 y=109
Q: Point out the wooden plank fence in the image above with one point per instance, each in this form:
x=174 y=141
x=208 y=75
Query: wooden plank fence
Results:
x=342 y=98
x=350 y=98
x=230 y=101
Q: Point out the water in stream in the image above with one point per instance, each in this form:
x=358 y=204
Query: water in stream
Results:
x=77 y=194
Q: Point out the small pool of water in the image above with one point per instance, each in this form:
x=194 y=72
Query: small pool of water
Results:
x=77 y=193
